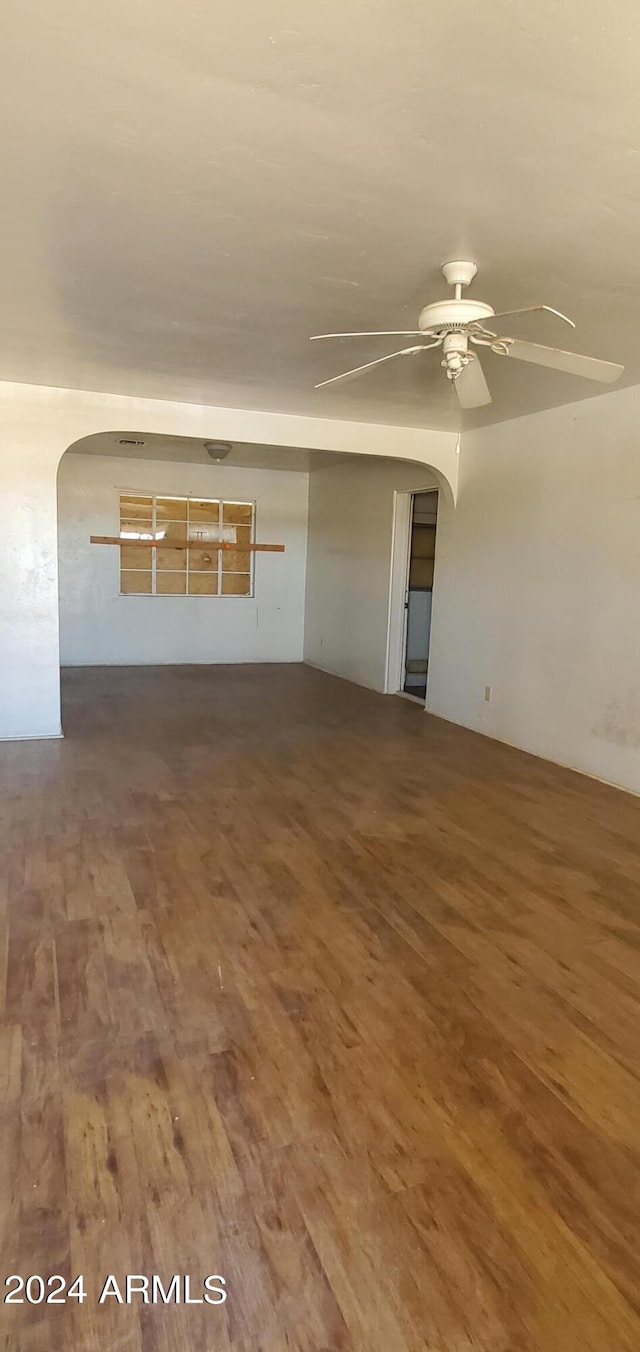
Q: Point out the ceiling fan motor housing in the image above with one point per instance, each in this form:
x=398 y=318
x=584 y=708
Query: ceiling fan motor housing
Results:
x=452 y=314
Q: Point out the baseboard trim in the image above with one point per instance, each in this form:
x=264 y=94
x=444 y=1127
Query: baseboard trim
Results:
x=547 y=760
x=35 y=737
x=337 y=676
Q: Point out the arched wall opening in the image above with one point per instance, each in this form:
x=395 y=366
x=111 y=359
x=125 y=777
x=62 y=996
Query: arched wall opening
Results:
x=38 y=425
x=324 y=600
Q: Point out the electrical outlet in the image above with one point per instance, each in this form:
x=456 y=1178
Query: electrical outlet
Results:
x=487 y=694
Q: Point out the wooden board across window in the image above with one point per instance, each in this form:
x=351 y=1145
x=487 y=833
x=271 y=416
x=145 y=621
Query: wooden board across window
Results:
x=185 y=546
x=189 y=544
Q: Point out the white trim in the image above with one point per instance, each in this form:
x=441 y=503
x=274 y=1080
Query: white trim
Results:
x=399 y=565
x=398 y=584
x=35 y=737
x=398 y=581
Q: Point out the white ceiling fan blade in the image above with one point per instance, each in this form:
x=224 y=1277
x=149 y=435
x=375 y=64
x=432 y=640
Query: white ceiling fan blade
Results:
x=357 y=370
x=571 y=362
x=382 y=333
x=528 y=310
x=471 y=387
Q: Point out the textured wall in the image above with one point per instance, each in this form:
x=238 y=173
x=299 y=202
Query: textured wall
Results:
x=97 y=625
x=537 y=589
x=349 y=566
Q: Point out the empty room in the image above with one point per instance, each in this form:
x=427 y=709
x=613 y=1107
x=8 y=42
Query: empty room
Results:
x=320 y=678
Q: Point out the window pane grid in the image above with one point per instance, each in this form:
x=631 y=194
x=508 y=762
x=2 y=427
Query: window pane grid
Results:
x=199 y=570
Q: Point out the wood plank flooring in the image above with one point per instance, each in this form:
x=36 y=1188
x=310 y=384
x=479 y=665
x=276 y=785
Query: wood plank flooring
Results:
x=307 y=989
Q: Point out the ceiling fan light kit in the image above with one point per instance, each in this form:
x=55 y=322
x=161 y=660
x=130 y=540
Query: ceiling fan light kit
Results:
x=456 y=323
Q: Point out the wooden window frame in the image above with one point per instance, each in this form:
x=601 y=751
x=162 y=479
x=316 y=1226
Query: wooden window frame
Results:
x=219 y=571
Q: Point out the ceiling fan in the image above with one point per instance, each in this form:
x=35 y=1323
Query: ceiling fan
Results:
x=457 y=323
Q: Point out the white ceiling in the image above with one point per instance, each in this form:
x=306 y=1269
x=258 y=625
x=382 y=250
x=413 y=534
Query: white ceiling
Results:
x=191 y=189
x=243 y=454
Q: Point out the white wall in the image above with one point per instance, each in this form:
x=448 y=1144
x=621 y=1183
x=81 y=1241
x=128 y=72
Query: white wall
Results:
x=538 y=587
x=537 y=575
x=29 y=669
x=37 y=425
x=97 y=625
x=349 y=566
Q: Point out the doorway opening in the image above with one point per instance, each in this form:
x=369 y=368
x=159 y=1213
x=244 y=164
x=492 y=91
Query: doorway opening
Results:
x=422 y=551
x=411 y=592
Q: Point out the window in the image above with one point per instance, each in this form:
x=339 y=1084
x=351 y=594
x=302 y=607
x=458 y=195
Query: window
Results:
x=195 y=570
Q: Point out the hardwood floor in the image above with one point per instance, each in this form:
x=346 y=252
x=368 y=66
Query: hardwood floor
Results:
x=307 y=989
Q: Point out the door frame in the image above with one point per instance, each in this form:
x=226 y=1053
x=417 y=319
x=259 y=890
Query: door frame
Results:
x=399 y=586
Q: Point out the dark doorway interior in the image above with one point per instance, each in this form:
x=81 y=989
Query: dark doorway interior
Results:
x=424 y=517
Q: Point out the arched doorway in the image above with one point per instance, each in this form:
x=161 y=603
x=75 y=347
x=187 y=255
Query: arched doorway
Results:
x=324 y=600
